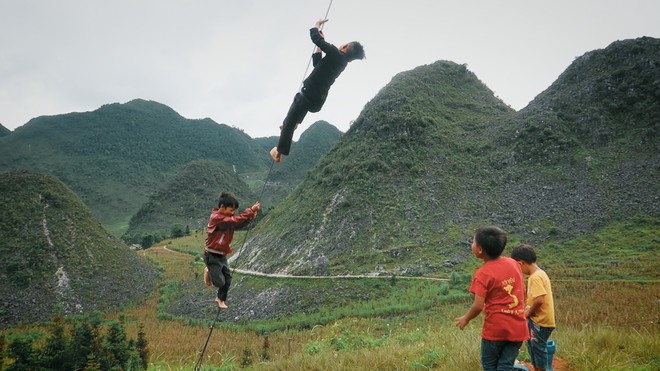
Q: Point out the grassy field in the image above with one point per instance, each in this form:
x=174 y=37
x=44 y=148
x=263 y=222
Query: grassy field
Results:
x=602 y=325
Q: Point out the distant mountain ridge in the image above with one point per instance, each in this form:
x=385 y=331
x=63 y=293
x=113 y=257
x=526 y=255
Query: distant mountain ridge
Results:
x=186 y=199
x=435 y=155
x=57 y=258
x=115 y=157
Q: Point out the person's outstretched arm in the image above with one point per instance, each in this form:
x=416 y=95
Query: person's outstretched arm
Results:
x=475 y=309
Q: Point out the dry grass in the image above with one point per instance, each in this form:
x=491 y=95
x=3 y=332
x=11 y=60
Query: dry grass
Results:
x=601 y=325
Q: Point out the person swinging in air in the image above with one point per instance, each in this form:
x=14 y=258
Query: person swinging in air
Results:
x=316 y=86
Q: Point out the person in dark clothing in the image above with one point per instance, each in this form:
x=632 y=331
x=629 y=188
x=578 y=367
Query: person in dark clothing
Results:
x=316 y=86
x=219 y=234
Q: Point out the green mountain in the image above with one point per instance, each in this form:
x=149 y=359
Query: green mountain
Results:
x=117 y=156
x=435 y=154
x=4 y=131
x=313 y=144
x=56 y=257
x=113 y=158
x=186 y=200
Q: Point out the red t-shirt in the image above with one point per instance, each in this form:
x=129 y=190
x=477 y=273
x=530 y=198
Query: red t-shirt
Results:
x=500 y=282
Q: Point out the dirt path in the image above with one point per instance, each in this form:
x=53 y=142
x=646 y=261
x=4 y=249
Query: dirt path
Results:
x=280 y=275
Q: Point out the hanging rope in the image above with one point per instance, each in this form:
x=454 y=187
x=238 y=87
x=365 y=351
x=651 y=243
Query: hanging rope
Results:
x=198 y=365
x=272 y=162
x=310 y=58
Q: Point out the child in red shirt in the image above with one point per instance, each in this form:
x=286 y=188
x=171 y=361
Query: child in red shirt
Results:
x=219 y=234
x=498 y=289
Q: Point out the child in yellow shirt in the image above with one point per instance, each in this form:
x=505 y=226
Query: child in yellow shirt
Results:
x=540 y=309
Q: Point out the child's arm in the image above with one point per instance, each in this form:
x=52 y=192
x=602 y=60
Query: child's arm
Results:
x=240 y=220
x=536 y=304
x=475 y=309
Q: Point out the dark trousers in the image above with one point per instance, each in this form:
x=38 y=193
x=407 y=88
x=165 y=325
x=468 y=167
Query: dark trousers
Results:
x=499 y=355
x=297 y=112
x=219 y=273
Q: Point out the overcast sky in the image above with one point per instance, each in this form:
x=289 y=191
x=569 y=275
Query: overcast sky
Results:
x=240 y=62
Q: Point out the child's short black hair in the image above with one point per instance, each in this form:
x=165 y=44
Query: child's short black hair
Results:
x=491 y=239
x=355 y=51
x=525 y=253
x=228 y=199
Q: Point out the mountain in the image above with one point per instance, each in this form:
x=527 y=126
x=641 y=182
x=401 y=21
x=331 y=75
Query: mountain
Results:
x=435 y=154
x=186 y=200
x=313 y=144
x=4 y=131
x=56 y=257
x=390 y=180
x=113 y=158
x=585 y=152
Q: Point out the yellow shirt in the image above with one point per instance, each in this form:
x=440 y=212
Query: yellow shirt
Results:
x=538 y=284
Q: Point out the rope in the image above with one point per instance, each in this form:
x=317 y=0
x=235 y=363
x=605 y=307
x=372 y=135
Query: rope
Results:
x=272 y=162
x=310 y=58
x=198 y=365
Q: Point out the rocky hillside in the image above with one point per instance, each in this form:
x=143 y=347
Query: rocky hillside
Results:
x=56 y=257
x=435 y=154
x=4 y=131
x=392 y=179
x=313 y=144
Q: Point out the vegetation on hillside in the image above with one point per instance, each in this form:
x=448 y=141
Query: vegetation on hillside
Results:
x=56 y=257
x=313 y=144
x=435 y=154
x=116 y=156
x=432 y=156
x=119 y=155
x=4 y=131
x=184 y=202
x=84 y=343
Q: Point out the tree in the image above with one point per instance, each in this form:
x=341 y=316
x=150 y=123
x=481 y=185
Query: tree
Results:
x=147 y=241
x=24 y=356
x=86 y=342
x=3 y=343
x=115 y=349
x=177 y=231
x=55 y=354
x=143 y=347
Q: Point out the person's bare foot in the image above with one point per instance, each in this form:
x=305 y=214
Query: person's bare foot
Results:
x=276 y=155
x=207 y=279
x=221 y=304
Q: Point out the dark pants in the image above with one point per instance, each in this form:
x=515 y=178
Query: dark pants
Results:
x=537 y=345
x=499 y=355
x=297 y=112
x=219 y=273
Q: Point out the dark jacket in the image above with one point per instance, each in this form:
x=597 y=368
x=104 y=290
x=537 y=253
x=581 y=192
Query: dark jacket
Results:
x=325 y=72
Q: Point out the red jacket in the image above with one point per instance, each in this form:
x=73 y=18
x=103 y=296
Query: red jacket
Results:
x=220 y=230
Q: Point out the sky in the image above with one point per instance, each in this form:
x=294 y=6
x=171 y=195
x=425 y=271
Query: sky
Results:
x=241 y=62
